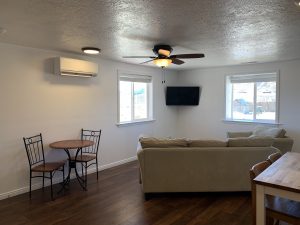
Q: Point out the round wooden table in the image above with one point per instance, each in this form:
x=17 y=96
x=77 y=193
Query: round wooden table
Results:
x=68 y=145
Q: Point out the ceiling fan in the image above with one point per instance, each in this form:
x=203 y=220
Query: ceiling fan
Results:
x=164 y=58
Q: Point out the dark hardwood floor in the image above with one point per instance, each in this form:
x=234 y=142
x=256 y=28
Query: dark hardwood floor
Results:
x=117 y=199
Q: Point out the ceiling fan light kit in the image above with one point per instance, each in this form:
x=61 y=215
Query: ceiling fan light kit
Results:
x=162 y=62
x=164 y=52
x=164 y=58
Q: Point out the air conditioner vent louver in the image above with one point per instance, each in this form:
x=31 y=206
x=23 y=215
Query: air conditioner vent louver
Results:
x=75 y=67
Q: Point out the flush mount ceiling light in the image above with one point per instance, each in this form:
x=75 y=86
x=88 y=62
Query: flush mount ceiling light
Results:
x=91 y=50
x=297 y=3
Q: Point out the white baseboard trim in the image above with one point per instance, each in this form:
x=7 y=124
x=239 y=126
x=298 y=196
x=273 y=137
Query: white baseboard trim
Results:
x=59 y=179
x=110 y=165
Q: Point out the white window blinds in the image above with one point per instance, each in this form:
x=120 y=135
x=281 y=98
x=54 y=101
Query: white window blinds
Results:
x=135 y=78
x=249 y=78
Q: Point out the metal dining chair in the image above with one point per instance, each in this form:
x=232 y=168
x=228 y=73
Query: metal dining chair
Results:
x=88 y=156
x=277 y=209
x=37 y=164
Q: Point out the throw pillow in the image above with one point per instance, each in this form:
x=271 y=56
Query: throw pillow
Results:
x=268 y=132
x=282 y=133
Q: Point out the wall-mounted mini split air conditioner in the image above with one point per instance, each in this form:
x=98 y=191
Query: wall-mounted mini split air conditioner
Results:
x=75 y=67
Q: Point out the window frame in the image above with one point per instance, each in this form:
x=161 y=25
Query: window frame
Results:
x=228 y=98
x=131 y=76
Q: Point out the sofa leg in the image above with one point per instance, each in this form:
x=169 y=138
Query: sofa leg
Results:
x=147 y=196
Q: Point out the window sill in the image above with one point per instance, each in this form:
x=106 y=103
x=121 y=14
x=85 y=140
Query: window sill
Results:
x=250 y=122
x=134 y=122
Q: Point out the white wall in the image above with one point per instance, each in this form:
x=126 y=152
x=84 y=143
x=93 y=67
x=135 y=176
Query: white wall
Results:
x=34 y=100
x=205 y=120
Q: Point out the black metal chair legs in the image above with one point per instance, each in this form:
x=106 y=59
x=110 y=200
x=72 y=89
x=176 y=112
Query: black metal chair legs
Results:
x=43 y=177
x=97 y=167
x=51 y=185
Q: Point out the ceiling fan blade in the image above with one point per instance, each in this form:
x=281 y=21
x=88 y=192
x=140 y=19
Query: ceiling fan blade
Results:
x=187 y=56
x=147 y=61
x=177 y=61
x=139 y=57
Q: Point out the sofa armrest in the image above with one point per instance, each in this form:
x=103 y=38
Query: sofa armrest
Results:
x=141 y=158
x=239 y=134
x=283 y=144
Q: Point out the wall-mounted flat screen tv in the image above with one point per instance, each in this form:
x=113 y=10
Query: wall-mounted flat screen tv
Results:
x=182 y=95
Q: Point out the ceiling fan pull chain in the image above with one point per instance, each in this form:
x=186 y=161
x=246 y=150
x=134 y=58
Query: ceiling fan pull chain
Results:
x=163 y=76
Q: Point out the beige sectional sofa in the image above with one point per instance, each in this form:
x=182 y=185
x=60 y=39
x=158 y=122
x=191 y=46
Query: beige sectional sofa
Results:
x=179 y=165
x=280 y=140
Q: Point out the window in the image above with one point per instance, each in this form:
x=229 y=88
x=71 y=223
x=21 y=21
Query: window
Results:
x=135 y=98
x=252 y=97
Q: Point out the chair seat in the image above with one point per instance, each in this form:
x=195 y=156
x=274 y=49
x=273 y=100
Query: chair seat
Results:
x=48 y=167
x=284 y=206
x=84 y=158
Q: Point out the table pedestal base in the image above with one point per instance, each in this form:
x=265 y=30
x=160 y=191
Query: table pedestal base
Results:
x=72 y=164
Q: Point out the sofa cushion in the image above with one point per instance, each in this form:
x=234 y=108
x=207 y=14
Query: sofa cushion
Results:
x=162 y=143
x=250 y=142
x=207 y=143
x=239 y=134
x=273 y=132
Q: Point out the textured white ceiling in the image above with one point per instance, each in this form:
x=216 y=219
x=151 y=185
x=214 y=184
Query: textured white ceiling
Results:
x=228 y=32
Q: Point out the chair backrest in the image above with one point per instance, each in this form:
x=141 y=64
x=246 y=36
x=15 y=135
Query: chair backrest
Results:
x=91 y=135
x=254 y=172
x=34 y=149
x=273 y=157
x=258 y=169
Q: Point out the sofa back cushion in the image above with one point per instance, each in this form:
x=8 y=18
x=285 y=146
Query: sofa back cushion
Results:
x=207 y=143
x=273 y=132
x=250 y=142
x=162 y=143
x=239 y=134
